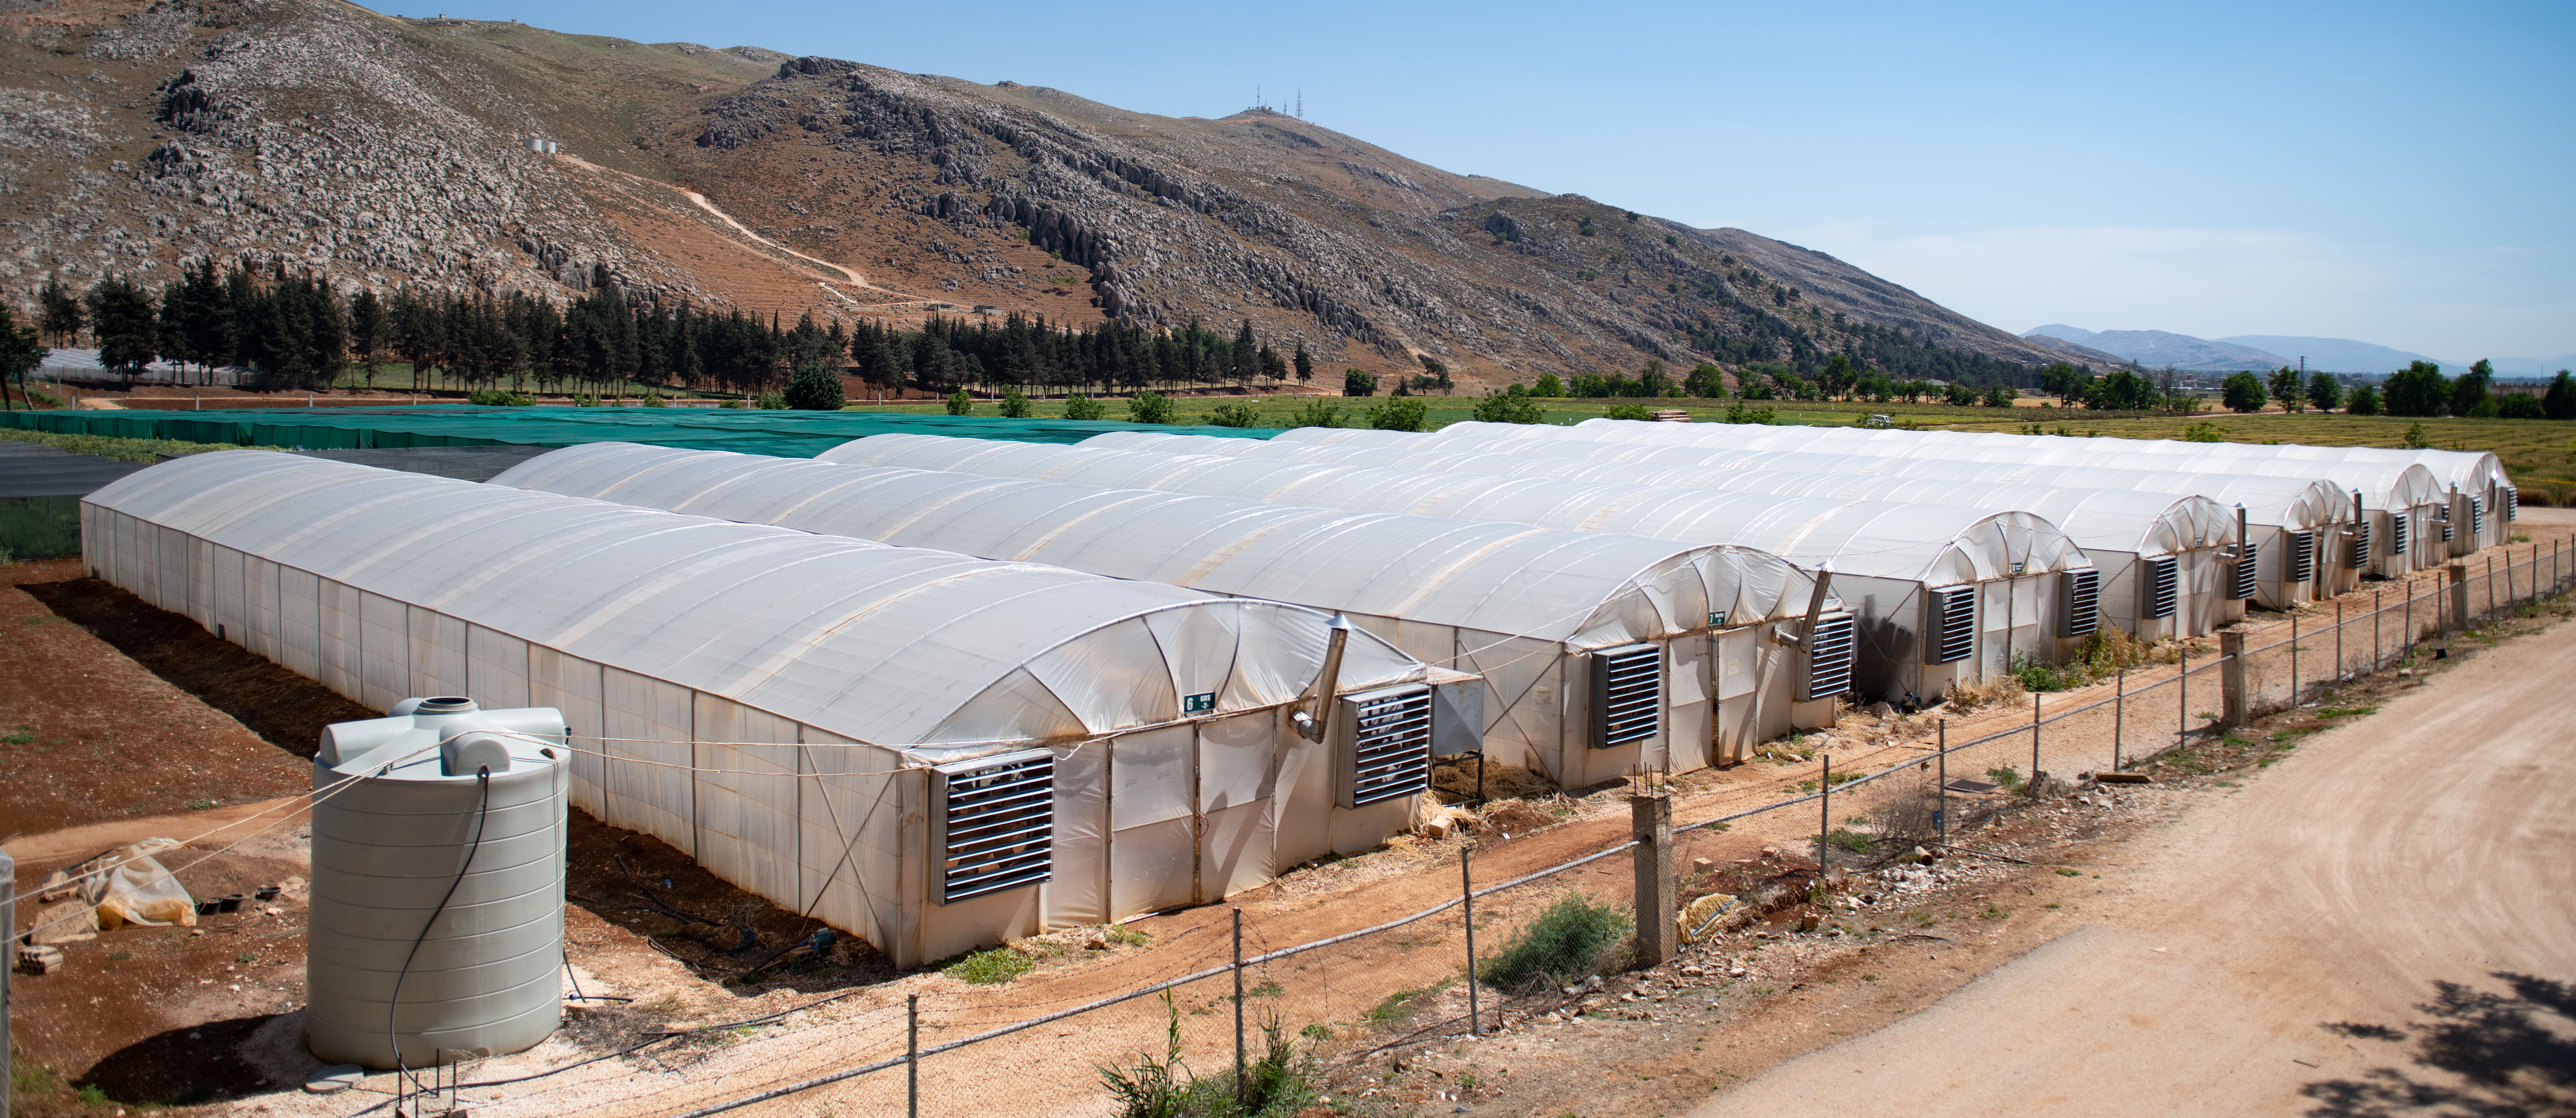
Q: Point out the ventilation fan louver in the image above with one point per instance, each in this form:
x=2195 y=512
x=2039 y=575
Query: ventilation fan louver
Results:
x=1390 y=745
x=2248 y=566
x=1829 y=656
x=2512 y=502
x=2302 y=557
x=1952 y=634
x=2361 y=541
x=996 y=820
x=2477 y=517
x=1628 y=690
x=2159 y=587
x=2397 y=528
x=2083 y=599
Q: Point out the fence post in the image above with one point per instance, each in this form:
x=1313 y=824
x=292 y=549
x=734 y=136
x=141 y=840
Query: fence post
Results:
x=2294 y=656
x=1651 y=817
x=2182 y=695
x=2459 y=596
x=1941 y=815
x=8 y=922
x=2378 y=655
x=2119 y=715
x=1467 y=892
x=1238 y=1009
x=2338 y=672
x=2508 y=568
x=2232 y=704
x=912 y=1055
x=2034 y=746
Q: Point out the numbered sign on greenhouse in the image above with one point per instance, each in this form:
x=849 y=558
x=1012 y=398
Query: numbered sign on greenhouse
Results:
x=1198 y=704
x=1717 y=617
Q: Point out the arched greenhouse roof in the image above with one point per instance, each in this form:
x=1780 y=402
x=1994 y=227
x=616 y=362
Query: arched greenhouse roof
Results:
x=1933 y=544
x=1587 y=589
x=895 y=646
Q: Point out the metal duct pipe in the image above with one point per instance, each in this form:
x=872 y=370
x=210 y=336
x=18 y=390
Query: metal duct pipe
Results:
x=1314 y=726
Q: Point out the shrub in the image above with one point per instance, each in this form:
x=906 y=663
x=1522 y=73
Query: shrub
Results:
x=2362 y=401
x=1358 y=382
x=815 y=388
x=959 y=403
x=1738 y=413
x=1014 y=404
x=1316 y=413
x=2520 y=406
x=651 y=400
x=1627 y=411
x=1149 y=407
x=989 y=968
x=1083 y=407
x=495 y=398
x=1235 y=415
x=1548 y=386
x=773 y=401
x=1280 y=1082
x=1571 y=938
x=1512 y=405
x=1400 y=415
x=2204 y=431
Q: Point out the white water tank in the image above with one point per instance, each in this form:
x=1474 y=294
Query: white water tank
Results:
x=438 y=884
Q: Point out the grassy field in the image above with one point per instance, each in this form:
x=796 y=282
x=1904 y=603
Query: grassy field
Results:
x=2539 y=453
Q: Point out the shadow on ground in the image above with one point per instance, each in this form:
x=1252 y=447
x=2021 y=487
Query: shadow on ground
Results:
x=2479 y=1054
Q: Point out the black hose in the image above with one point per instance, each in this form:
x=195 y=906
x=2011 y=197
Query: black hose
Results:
x=482 y=814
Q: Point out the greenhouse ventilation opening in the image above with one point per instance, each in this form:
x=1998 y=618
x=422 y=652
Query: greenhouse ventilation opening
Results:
x=1885 y=558
x=789 y=709
x=1526 y=607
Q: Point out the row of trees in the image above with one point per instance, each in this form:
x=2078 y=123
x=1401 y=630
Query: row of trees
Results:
x=2419 y=390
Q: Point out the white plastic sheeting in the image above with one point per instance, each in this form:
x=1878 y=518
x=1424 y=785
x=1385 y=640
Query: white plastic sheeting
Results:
x=2379 y=474
x=1883 y=555
x=768 y=700
x=1523 y=606
x=2276 y=508
x=2116 y=527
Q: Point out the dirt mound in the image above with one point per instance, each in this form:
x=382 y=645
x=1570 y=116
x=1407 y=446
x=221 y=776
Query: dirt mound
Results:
x=1455 y=780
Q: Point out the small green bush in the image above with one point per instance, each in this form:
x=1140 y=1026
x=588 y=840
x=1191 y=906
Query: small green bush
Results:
x=1405 y=414
x=1149 y=407
x=959 y=403
x=814 y=388
x=1627 y=411
x=1359 y=382
x=1014 y=404
x=989 y=968
x=1512 y=405
x=1235 y=415
x=1846 y=839
x=1316 y=413
x=1570 y=939
x=772 y=401
x=2006 y=777
x=495 y=398
x=1084 y=407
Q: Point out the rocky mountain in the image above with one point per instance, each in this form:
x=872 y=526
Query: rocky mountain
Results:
x=478 y=155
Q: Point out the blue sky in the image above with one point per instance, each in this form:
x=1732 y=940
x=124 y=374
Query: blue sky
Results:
x=2398 y=174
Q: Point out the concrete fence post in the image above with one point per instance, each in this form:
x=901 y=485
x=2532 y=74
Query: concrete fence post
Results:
x=2233 y=701
x=8 y=963
x=2459 y=596
x=1657 y=882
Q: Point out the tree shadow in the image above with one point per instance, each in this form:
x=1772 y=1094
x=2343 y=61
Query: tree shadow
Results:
x=2479 y=1055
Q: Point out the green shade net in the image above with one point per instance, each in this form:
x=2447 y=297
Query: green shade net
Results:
x=783 y=434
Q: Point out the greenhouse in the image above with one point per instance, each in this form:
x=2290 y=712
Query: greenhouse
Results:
x=2163 y=556
x=930 y=751
x=1535 y=611
x=2284 y=516
x=1938 y=593
x=2479 y=478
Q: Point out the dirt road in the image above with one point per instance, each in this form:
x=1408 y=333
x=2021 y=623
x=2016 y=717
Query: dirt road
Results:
x=2428 y=843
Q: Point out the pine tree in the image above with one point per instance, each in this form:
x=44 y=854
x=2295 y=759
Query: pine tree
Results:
x=122 y=321
x=59 y=313
x=1305 y=364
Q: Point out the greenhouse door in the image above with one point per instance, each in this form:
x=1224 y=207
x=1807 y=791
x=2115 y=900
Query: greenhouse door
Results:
x=1153 y=827
x=1237 y=817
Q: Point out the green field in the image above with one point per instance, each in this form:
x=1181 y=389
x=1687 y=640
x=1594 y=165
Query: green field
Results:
x=2539 y=453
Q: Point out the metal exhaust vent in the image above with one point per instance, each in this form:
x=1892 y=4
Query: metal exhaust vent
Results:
x=1628 y=694
x=1829 y=656
x=2442 y=516
x=2361 y=541
x=2160 y=587
x=2303 y=557
x=2512 y=502
x=2248 y=565
x=996 y=823
x=2477 y=517
x=1951 y=635
x=2397 y=532
x=2083 y=598
x=1390 y=745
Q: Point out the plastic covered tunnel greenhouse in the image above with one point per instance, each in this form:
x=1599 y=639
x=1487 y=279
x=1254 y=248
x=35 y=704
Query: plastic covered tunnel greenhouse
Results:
x=1937 y=593
x=1551 y=619
x=2162 y=555
x=931 y=751
x=2285 y=517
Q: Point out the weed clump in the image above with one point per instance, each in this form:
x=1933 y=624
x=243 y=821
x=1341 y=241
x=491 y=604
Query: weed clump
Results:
x=1571 y=938
x=1281 y=1082
x=989 y=968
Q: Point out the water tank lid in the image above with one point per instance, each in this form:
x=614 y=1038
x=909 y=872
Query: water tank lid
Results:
x=446 y=704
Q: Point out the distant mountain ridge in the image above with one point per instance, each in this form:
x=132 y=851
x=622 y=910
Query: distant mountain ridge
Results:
x=2157 y=348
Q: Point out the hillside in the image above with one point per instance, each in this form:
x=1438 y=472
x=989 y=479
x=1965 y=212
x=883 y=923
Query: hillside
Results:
x=381 y=151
